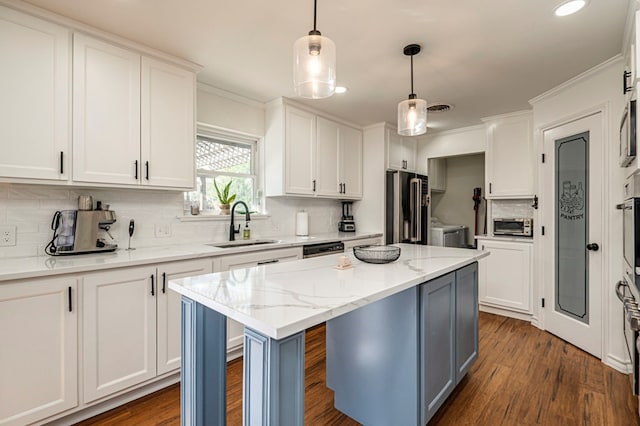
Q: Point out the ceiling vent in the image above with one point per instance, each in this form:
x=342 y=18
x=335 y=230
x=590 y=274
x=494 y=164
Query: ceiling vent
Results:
x=439 y=107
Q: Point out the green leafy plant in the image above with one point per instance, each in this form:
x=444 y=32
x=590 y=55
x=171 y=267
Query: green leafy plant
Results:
x=223 y=196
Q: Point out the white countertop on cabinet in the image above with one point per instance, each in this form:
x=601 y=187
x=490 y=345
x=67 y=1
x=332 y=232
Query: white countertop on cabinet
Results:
x=505 y=238
x=279 y=300
x=41 y=266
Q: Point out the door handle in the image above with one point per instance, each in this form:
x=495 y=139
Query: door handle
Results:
x=593 y=247
x=136 y=169
x=164 y=282
x=153 y=290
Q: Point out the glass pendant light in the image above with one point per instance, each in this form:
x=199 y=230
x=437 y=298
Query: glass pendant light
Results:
x=412 y=113
x=314 y=64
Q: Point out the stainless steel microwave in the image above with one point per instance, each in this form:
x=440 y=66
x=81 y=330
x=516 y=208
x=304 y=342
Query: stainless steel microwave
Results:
x=519 y=227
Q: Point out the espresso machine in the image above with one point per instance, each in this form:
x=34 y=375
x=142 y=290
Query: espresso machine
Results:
x=347 y=224
x=76 y=231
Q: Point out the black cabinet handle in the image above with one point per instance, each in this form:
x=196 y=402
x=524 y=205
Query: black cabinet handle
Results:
x=153 y=292
x=266 y=262
x=164 y=282
x=314 y=185
x=70 y=300
x=489 y=187
x=136 y=167
x=344 y=188
x=61 y=162
x=146 y=167
x=593 y=247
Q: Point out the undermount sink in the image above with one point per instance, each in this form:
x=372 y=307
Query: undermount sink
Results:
x=242 y=243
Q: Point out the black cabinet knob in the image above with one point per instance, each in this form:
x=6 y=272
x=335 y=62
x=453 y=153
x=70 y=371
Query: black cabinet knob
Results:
x=593 y=247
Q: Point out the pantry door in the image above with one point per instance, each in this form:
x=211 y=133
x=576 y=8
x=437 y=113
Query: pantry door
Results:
x=572 y=242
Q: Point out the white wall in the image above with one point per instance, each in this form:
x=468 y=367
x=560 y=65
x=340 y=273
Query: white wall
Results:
x=597 y=88
x=31 y=207
x=466 y=140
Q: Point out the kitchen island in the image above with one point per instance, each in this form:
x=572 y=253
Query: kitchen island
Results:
x=400 y=336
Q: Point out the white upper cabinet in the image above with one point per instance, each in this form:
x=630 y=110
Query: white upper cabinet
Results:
x=310 y=155
x=509 y=160
x=401 y=152
x=327 y=149
x=34 y=105
x=168 y=125
x=106 y=112
x=350 y=162
x=299 y=140
x=338 y=160
x=133 y=118
x=438 y=174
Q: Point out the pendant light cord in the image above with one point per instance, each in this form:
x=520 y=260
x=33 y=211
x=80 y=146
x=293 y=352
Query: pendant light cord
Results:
x=315 y=9
x=412 y=74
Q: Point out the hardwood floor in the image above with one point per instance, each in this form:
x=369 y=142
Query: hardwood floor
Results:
x=523 y=376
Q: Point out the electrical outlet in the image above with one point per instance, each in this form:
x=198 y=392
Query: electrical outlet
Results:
x=163 y=230
x=7 y=236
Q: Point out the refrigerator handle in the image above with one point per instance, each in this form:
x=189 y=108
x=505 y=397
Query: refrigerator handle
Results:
x=397 y=203
x=416 y=211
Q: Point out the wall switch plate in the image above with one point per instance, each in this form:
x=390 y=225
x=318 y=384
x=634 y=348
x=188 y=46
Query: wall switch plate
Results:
x=162 y=230
x=7 y=235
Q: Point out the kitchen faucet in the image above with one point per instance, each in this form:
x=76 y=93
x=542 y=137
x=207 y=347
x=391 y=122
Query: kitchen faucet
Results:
x=232 y=230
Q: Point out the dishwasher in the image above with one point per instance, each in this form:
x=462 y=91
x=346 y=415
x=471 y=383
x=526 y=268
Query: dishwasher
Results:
x=322 y=249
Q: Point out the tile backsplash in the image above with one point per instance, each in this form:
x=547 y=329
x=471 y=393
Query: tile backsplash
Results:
x=512 y=208
x=156 y=213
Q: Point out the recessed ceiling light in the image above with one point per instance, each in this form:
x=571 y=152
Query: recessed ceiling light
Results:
x=570 y=7
x=341 y=89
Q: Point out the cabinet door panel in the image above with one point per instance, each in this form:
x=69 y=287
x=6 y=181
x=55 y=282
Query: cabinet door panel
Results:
x=169 y=310
x=509 y=157
x=119 y=333
x=437 y=301
x=351 y=161
x=300 y=135
x=167 y=125
x=466 y=319
x=409 y=149
x=395 y=150
x=327 y=172
x=38 y=359
x=505 y=276
x=106 y=112
x=34 y=105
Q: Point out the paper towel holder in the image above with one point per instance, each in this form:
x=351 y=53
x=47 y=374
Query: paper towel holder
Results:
x=302 y=223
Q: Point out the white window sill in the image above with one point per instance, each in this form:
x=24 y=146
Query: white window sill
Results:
x=212 y=217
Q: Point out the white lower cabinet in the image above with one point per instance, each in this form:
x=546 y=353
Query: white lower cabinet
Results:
x=235 y=330
x=39 y=349
x=505 y=275
x=131 y=325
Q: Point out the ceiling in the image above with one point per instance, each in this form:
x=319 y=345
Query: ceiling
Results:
x=485 y=57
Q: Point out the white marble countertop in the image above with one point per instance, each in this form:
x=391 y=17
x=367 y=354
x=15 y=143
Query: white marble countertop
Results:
x=507 y=238
x=279 y=300
x=42 y=266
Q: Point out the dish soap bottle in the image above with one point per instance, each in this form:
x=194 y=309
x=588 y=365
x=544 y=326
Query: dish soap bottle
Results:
x=246 y=232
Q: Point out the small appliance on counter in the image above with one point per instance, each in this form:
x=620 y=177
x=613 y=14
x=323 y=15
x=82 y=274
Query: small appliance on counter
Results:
x=76 y=231
x=347 y=224
x=516 y=227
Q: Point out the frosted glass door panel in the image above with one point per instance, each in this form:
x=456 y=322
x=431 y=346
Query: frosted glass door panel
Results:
x=572 y=180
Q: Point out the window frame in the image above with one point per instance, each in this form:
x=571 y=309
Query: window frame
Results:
x=209 y=132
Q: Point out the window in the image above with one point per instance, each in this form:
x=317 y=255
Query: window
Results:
x=224 y=158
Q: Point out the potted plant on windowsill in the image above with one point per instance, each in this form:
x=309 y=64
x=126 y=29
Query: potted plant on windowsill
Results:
x=224 y=198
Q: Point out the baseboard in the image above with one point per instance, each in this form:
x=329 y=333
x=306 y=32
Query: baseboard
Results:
x=505 y=312
x=83 y=412
x=622 y=365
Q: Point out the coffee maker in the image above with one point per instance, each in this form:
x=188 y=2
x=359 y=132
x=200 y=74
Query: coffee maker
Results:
x=76 y=231
x=347 y=224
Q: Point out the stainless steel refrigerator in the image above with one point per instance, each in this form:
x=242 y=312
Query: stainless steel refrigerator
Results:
x=407 y=208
